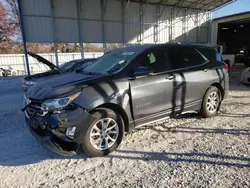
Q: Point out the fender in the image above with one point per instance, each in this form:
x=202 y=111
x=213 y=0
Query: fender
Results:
x=115 y=92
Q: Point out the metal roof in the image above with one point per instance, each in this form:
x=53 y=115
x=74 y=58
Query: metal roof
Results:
x=234 y=15
x=205 y=5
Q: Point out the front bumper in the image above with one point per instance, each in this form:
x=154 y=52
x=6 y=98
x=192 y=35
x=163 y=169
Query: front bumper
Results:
x=50 y=130
x=48 y=142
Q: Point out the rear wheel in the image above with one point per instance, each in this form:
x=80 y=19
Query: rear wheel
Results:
x=104 y=134
x=211 y=102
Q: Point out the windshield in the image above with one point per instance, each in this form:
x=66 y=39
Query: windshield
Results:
x=67 y=66
x=111 y=62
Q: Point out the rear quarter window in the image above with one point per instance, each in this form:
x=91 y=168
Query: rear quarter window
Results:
x=210 y=53
x=184 y=57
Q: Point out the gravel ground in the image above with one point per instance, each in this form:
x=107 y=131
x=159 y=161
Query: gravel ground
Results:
x=186 y=151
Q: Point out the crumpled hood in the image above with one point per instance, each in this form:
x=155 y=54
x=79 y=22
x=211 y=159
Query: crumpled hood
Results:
x=63 y=85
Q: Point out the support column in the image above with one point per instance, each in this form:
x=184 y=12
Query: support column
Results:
x=54 y=30
x=123 y=23
x=196 y=23
x=184 y=26
x=208 y=19
x=23 y=37
x=103 y=7
x=141 y=37
x=171 y=18
x=78 y=7
x=156 y=26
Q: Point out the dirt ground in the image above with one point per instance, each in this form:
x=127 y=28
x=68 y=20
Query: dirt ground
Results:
x=185 y=151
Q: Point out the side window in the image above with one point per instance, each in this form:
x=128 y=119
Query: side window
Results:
x=210 y=53
x=183 y=57
x=155 y=61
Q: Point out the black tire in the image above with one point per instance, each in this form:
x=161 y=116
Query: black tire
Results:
x=87 y=147
x=205 y=112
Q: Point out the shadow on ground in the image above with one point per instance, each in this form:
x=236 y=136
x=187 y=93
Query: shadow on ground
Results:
x=198 y=158
x=32 y=152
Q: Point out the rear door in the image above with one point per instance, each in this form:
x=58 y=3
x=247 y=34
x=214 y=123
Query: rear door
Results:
x=192 y=77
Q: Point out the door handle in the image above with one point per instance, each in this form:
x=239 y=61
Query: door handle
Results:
x=205 y=70
x=170 y=77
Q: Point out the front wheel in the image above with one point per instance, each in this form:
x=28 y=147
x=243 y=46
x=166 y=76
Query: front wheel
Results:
x=104 y=134
x=211 y=102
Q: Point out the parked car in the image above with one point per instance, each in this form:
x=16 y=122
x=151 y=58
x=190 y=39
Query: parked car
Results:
x=54 y=70
x=124 y=89
x=245 y=76
x=243 y=57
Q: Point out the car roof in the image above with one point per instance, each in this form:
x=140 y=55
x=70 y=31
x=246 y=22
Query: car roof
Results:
x=142 y=48
x=82 y=60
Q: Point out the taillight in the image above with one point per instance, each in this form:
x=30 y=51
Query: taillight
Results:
x=226 y=67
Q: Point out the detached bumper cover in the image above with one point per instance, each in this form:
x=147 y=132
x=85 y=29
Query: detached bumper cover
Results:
x=50 y=130
x=47 y=142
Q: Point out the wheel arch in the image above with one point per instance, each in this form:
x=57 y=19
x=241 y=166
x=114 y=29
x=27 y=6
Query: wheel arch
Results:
x=219 y=86
x=119 y=110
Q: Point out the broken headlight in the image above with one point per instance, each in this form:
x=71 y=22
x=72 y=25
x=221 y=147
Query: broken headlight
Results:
x=53 y=104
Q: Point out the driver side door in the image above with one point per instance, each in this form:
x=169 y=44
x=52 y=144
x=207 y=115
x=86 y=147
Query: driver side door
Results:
x=151 y=90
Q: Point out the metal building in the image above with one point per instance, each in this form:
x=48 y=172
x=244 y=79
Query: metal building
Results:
x=116 y=21
x=227 y=28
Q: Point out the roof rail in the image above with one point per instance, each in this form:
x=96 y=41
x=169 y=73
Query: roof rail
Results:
x=173 y=42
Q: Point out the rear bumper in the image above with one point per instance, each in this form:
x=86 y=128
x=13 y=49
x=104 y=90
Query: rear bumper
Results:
x=226 y=93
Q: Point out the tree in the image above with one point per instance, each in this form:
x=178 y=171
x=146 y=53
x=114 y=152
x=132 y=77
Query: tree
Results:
x=9 y=26
x=11 y=40
x=92 y=48
x=114 y=46
x=6 y=27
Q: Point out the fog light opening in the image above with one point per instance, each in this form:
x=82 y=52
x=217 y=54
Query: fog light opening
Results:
x=70 y=132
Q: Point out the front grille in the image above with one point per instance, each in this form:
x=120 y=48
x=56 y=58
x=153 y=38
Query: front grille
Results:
x=32 y=109
x=35 y=108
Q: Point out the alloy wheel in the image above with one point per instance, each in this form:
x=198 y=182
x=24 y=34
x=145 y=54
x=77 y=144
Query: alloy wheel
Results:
x=104 y=134
x=213 y=102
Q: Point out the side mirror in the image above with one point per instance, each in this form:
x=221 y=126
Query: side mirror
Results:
x=138 y=71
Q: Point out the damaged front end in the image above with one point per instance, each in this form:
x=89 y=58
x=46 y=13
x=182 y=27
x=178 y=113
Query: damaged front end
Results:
x=57 y=123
